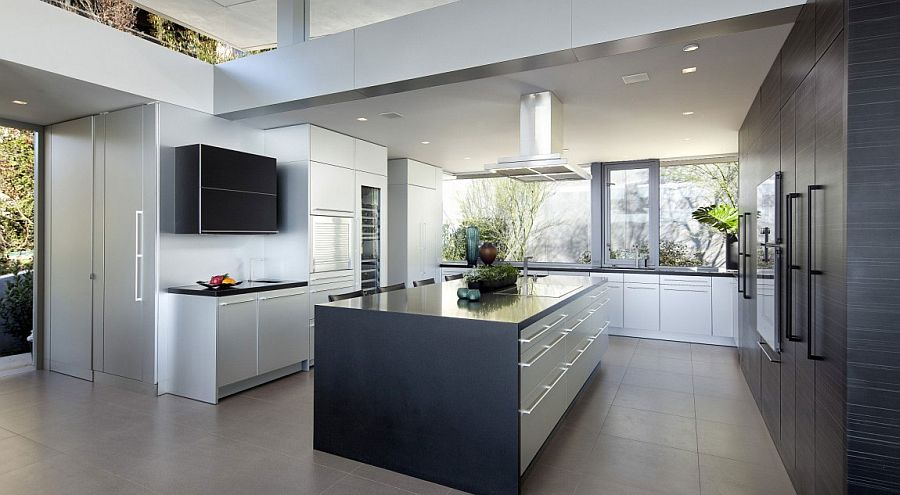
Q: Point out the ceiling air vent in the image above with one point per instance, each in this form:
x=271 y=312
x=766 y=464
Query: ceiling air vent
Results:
x=391 y=115
x=636 y=78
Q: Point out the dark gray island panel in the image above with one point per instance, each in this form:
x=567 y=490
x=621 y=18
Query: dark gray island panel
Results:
x=459 y=393
x=429 y=397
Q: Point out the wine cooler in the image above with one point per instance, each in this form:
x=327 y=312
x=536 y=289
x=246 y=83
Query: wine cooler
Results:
x=370 y=236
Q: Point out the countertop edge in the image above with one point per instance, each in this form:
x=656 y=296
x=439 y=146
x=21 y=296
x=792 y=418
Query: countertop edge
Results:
x=196 y=290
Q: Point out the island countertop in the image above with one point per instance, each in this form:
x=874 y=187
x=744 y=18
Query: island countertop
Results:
x=440 y=300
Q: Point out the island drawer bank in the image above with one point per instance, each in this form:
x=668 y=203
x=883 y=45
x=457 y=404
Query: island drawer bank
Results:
x=465 y=393
x=222 y=342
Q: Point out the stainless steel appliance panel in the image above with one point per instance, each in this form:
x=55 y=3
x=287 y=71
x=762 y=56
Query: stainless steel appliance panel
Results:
x=331 y=244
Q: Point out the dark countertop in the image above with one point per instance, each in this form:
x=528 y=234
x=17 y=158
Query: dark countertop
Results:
x=576 y=267
x=440 y=300
x=248 y=287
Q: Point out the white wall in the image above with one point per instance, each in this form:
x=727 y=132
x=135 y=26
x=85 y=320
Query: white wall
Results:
x=455 y=36
x=45 y=37
x=184 y=258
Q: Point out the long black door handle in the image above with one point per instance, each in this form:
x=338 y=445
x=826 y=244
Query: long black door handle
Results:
x=740 y=253
x=789 y=269
x=746 y=257
x=811 y=271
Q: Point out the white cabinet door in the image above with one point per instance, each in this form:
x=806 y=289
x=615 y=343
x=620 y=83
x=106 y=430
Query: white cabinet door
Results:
x=236 y=344
x=370 y=158
x=283 y=329
x=724 y=293
x=331 y=190
x=641 y=306
x=616 y=305
x=331 y=147
x=685 y=309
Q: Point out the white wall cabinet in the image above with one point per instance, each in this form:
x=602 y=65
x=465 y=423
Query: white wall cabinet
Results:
x=370 y=158
x=331 y=147
x=414 y=233
x=331 y=190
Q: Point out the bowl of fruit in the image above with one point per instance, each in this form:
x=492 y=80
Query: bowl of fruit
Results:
x=217 y=282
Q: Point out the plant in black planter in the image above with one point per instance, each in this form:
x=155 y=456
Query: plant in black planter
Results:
x=492 y=277
x=723 y=218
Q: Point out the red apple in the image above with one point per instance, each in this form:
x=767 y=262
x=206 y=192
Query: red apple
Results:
x=217 y=279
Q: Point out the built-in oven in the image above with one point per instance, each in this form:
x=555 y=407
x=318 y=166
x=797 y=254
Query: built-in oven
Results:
x=331 y=244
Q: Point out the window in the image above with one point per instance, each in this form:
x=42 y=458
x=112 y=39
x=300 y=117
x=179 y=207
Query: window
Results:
x=651 y=212
x=547 y=220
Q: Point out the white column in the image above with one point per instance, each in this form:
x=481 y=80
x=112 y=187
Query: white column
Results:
x=292 y=22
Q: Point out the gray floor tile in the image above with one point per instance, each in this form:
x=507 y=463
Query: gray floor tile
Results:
x=741 y=443
x=567 y=449
x=665 y=380
x=650 y=362
x=550 y=481
x=714 y=353
x=6 y=434
x=587 y=416
x=352 y=485
x=645 y=426
x=717 y=370
x=656 y=400
x=719 y=476
x=397 y=480
x=222 y=466
x=663 y=349
x=17 y=452
x=643 y=466
x=731 y=411
x=597 y=486
x=721 y=386
x=63 y=474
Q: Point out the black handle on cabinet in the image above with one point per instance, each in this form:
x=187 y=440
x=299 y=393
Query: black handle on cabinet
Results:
x=740 y=253
x=811 y=272
x=746 y=256
x=789 y=269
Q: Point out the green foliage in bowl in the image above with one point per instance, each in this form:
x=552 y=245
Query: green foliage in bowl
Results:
x=493 y=276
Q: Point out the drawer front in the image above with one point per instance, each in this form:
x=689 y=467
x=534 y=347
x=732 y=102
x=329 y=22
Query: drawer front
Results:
x=544 y=408
x=641 y=278
x=580 y=364
x=539 y=332
x=641 y=306
x=696 y=281
x=540 y=361
x=611 y=276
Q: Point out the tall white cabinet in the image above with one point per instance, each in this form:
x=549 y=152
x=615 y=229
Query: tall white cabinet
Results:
x=414 y=203
x=102 y=186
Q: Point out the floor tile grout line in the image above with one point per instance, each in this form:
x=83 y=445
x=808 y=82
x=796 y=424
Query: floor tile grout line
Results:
x=696 y=429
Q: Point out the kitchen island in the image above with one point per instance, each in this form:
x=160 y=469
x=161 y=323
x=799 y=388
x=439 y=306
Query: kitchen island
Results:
x=455 y=392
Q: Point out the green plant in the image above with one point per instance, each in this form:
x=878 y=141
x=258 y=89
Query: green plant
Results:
x=673 y=253
x=492 y=273
x=721 y=217
x=16 y=305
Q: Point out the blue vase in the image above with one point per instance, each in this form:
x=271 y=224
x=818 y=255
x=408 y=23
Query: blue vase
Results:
x=474 y=295
x=472 y=245
x=462 y=293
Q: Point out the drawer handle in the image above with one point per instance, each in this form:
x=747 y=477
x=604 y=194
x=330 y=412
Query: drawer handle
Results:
x=280 y=296
x=580 y=353
x=230 y=303
x=545 y=351
x=330 y=290
x=640 y=288
x=603 y=329
x=547 y=390
x=570 y=330
x=604 y=291
x=685 y=290
x=600 y=305
x=545 y=330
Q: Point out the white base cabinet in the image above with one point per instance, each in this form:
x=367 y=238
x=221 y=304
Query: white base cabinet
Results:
x=641 y=306
x=685 y=305
x=217 y=346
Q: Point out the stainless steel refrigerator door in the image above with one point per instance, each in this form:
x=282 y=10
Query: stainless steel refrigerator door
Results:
x=332 y=244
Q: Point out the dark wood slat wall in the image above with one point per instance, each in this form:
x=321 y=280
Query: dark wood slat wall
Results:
x=797 y=124
x=873 y=239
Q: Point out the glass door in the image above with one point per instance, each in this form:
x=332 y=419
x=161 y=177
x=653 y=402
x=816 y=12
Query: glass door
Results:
x=370 y=238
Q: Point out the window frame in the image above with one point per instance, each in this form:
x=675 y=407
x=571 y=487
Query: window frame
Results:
x=653 y=167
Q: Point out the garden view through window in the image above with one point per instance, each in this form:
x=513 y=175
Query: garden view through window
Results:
x=671 y=214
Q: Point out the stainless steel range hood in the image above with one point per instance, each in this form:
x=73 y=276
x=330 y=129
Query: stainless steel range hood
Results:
x=540 y=144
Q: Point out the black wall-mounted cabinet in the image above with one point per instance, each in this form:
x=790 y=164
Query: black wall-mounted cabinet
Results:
x=220 y=191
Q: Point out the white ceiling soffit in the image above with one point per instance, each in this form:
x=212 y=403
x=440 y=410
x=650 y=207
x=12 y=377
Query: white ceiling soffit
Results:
x=249 y=24
x=470 y=124
x=54 y=98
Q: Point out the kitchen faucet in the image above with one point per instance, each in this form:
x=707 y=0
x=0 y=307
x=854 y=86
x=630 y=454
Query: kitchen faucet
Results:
x=525 y=266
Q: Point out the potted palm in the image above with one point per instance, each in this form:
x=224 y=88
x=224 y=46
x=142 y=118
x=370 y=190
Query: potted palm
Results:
x=723 y=218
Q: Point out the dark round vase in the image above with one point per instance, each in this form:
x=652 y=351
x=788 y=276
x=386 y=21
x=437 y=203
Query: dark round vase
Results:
x=487 y=253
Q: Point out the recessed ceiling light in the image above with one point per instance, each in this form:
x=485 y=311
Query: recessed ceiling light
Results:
x=690 y=47
x=467 y=158
x=362 y=119
x=20 y=102
x=686 y=139
x=426 y=142
x=688 y=70
x=687 y=113
x=636 y=78
x=565 y=150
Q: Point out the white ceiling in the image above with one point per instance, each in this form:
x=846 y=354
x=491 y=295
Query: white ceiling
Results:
x=248 y=24
x=54 y=98
x=605 y=120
